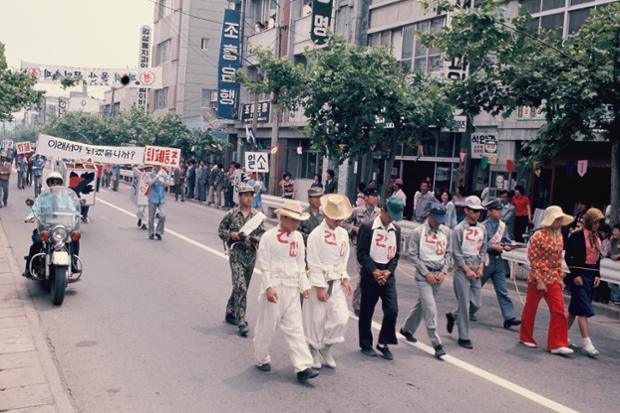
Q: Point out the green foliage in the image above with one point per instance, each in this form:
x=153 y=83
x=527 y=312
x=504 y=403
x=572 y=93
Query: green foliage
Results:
x=16 y=90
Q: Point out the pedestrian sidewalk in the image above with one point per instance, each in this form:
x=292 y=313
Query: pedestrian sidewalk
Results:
x=30 y=381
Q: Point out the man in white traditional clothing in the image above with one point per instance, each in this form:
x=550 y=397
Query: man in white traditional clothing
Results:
x=281 y=262
x=326 y=313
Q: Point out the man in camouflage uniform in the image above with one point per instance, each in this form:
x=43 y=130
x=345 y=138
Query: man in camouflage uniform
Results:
x=316 y=216
x=361 y=215
x=242 y=251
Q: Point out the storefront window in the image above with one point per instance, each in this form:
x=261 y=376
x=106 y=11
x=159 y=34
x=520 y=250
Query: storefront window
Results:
x=443 y=173
x=445 y=145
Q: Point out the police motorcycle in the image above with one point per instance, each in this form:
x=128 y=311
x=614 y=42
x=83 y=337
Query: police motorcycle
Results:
x=53 y=258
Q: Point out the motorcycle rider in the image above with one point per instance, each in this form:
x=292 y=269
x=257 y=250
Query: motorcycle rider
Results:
x=56 y=199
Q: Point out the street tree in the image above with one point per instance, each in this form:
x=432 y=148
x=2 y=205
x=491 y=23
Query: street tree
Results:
x=574 y=81
x=16 y=89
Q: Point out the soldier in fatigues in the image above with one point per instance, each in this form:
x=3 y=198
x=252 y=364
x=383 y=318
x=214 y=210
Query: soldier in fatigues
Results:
x=361 y=215
x=314 y=209
x=241 y=230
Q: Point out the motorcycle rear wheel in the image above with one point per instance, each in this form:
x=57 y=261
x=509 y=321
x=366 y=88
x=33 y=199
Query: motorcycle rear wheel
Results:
x=59 y=284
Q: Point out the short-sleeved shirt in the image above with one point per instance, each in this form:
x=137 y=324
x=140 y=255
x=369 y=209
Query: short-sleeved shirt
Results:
x=521 y=202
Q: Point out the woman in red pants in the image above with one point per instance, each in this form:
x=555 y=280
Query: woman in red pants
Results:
x=546 y=280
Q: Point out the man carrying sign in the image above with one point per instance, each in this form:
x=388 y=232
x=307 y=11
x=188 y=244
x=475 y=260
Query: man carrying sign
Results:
x=241 y=230
x=158 y=180
x=430 y=252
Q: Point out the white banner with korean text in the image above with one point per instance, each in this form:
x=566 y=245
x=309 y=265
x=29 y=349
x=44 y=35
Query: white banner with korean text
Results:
x=52 y=146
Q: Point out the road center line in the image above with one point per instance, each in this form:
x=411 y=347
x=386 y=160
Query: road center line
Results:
x=470 y=368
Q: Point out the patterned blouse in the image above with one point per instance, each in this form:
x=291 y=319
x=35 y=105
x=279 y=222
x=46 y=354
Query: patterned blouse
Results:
x=545 y=256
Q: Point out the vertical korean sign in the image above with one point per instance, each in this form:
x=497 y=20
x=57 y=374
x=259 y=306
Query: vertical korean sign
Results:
x=321 y=20
x=229 y=62
x=143 y=61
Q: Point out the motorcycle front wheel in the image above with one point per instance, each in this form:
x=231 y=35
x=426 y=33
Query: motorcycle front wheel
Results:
x=59 y=284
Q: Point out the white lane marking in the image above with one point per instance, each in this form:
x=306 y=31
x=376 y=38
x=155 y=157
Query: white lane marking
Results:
x=470 y=368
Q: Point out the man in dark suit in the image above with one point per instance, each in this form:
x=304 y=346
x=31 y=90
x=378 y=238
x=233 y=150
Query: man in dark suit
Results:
x=378 y=250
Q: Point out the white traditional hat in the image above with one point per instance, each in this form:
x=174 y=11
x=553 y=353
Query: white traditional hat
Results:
x=293 y=209
x=554 y=212
x=336 y=206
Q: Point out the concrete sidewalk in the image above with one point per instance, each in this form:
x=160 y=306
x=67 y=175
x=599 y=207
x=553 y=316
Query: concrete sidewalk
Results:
x=30 y=380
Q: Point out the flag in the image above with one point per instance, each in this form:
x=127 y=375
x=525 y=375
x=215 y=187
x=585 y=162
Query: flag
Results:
x=484 y=162
x=582 y=167
x=249 y=136
x=510 y=165
x=463 y=156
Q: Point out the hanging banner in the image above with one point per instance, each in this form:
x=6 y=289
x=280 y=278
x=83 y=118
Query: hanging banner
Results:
x=510 y=165
x=462 y=156
x=23 y=147
x=262 y=111
x=321 y=20
x=229 y=62
x=484 y=162
x=149 y=77
x=143 y=61
x=570 y=168
x=52 y=146
x=582 y=167
x=158 y=155
x=484 y=145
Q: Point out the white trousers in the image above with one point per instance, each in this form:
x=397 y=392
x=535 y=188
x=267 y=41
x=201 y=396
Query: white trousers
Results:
x=286 y=314
x=326 y=322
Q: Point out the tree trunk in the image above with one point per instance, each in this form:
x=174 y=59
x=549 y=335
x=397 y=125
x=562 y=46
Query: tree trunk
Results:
x=389 y=165
x=615 y=170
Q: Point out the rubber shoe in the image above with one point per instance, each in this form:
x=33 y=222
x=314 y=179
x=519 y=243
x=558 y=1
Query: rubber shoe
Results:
x=408 y=336
x=439 y=352
x=244 y=330
x=450 y=323
x=591 y=351
x=264 y=367
x=385 y=350
x=158 y=237
x=562 y=351
x=307 y=374
x=465 y=344
x=529 y=344
x=316 y=358
x=326 y=352
x=511 y=323
x=369 y=352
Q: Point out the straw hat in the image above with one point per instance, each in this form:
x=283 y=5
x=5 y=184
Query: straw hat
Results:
x=336 y=206
x=293 y=209
x=554 y=212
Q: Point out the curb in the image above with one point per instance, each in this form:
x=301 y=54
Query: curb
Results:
x=51 y=370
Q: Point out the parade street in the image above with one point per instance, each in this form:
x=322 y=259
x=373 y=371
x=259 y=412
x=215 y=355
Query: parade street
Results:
x=144 y=331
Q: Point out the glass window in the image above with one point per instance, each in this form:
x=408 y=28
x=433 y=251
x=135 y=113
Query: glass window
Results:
x=530 y=6
x=553 y=22
x=204 y=43
x=420 y=64
x=397 y=43
x=576 y=2
x=386 y=38
x=161 y=97
x=165 y=7
x=163 y=52
x=442 y=176
x=408 y=42
x=577 y=18
x=374 y=39
x=445 y=144
x=552 y=4
x=429 y=144
x=532 y=26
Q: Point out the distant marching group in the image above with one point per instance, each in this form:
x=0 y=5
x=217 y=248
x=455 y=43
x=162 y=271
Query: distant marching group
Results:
x=308 y=251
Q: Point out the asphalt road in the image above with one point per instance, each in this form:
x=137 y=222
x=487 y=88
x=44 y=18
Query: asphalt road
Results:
x=143 y=332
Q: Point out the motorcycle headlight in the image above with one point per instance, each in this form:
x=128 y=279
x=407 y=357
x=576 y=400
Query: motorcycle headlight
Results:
x=59 y=234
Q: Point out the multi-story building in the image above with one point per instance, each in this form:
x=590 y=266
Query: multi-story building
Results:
x=186 y=39
x=124 y=99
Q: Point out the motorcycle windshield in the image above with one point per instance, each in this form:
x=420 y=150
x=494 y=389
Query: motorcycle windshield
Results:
x=57 y=208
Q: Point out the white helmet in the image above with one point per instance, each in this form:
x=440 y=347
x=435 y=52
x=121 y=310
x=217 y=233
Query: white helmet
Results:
x=54 y=175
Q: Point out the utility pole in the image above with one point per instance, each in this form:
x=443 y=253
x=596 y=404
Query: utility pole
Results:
x=112 y=103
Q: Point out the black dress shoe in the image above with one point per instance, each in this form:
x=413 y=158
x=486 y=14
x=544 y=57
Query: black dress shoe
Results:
x=158 y=237
x=450 y=324
x=139 y=223
x=466 y=344
x=231 y=320
x=473 y=317
x=408 y=336
x=385 y=350
x=307 y=374
x=369 y=352
x=244 y=330
x=143 y=226
x=151 y=236
x=264 y=367
x=439 y=351
x=511 y=322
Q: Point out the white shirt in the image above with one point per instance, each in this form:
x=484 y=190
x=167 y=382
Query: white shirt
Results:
x=281 y=259
x=383 y=243
x=328 y=254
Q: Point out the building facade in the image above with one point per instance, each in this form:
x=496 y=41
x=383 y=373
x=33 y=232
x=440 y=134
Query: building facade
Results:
x=186 y=40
